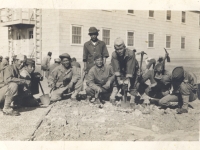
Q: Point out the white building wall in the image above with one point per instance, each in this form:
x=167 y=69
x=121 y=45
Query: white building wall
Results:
x=118 y=21
x=3 y=41
x=50 y=33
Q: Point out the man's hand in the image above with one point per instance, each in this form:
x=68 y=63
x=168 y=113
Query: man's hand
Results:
x=99 y=90
x=28 y=82
x=127 y=81
x=107 y=85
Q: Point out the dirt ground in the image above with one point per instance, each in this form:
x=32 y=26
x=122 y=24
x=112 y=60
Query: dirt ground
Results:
x=82 y=121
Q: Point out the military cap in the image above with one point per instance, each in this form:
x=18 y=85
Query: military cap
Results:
x=93 y=30
x=178 y=74
x=97 y=56
x=57 y=60
x=119 y=43
x=20 y=57
x=65 y=55
x=30 y=61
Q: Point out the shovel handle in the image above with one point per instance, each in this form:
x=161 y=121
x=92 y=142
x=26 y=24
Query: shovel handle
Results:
x=41 y=88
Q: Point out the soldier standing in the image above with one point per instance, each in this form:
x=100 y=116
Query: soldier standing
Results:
x=92 y=47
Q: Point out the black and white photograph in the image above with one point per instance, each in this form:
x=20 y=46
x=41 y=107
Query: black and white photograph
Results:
x=70 y=74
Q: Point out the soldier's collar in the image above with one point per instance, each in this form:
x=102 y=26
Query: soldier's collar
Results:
x=97 y=42
x=102 y=68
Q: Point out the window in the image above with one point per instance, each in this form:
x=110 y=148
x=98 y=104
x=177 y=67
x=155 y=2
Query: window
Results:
x=106 y=36
x=151 y=13
x=151 y=40
x=30 y=34
x=168 y=41
x=168 y=15
x=131 y=12
x=183 y=17
x=130 y=38
x=182 y=42
x=76 y=34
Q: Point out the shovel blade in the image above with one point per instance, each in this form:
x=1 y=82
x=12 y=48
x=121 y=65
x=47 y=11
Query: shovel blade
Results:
x=45 y=99
x=125 y=104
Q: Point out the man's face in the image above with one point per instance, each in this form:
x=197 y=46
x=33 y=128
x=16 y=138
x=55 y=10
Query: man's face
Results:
x=30 y=68
x=65 y=62
x=19 y=64
x=120 y=51
x=94 y=37
x=99 y=62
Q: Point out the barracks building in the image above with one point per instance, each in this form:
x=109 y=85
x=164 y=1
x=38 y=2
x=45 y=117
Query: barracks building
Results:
x=35 y=32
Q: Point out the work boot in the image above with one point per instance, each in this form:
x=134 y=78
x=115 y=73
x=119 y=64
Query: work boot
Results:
x=10 y=111
x=184 y=108
x=73 y=96
x=181 y=110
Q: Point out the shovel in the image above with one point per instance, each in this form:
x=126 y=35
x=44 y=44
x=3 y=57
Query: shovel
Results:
x=45 y=99
x=124 y=102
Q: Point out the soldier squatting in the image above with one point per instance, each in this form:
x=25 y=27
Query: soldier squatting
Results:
x=18 y=81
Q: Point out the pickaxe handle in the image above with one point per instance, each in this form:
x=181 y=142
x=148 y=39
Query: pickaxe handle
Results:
x=168 y=58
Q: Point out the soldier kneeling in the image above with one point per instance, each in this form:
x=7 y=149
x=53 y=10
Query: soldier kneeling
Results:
x=100 y=80
x=28 y=73
x=65 y=79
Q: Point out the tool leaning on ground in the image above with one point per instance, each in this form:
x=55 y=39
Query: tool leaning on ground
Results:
x=146 y=101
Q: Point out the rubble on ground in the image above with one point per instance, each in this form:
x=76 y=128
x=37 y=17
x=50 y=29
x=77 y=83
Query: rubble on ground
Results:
x=71 y=120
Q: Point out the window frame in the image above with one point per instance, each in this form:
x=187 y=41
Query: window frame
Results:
x=153 y=40
x=182 y=17
x=133 y=38
x=170 y=16
x=75 y=44
x=102 y=35
x=199 y=44
x=166 y=41
x=132 y=14
x=199 y=21
x=184 y=42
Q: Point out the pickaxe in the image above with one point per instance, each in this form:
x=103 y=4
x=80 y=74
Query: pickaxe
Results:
x=141 y=59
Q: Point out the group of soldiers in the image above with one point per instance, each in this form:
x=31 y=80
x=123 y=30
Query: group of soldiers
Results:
x=103 y=81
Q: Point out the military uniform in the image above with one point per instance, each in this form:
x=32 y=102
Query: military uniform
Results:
x=184 y=90
x=45 y=65
x=61 y=77
x=12 y=82
x=75 y=64
x=33 y=88
x=4 y=64
x=160 y=86
x=98 y=78
x=90 y=49
x=125 y=67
